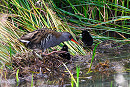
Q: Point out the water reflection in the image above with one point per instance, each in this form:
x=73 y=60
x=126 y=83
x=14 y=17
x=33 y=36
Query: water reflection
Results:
x=119 y=78
x=116 y=80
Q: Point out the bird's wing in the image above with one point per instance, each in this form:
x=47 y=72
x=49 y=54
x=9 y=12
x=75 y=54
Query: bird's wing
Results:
x=33 y=37
x=37 y=36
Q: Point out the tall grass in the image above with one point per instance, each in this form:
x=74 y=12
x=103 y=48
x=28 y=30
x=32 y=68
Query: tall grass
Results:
x=73 y=80
x=17 y=77
x=94 y=52
x=19 y=17
x=32 y=81
x=8 y=40
x=101 y=17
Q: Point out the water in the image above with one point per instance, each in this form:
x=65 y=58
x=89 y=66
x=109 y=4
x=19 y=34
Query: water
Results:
x=120 y=60
x=119 y=79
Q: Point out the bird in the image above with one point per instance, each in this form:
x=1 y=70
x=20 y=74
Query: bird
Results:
x=42 y=39
x=87 y=38
x=65 y=55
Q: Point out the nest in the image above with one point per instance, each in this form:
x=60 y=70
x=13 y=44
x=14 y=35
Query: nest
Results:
x=28 y=63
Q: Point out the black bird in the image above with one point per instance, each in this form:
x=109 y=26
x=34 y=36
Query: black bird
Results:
x=86 y=38
x=65 y=55
x=44 y=38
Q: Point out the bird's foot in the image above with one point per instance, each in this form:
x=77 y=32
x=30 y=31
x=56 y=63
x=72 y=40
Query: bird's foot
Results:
x=44 y=54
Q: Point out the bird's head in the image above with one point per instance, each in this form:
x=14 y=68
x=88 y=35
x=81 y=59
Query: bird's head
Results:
x=68 y=36
x=85 y=32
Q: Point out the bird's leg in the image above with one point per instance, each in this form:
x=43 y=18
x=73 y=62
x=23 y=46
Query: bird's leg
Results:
x=53 y=53
x=36 y=51
x=44 y=52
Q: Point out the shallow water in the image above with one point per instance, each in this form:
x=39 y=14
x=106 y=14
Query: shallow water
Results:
x=119 y=79
x=119 y=59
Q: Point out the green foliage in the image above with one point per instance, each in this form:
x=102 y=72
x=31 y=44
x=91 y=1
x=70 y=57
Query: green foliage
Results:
x=94 y=52
x=72 y=82
x=17 y=77
x=28 y=16
x=77 y=70
x=72 y=77
x=100 y=17
x=32 y=81
x=111 y=83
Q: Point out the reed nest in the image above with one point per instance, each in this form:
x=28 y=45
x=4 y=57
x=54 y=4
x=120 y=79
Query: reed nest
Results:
x=28 y=63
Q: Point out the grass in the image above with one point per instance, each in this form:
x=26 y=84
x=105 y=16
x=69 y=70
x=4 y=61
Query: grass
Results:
x=106 y=20
x=72 y=77
x=111 y=83
x=87 y=16
x=77 y=70
x=32 y=81
x=94 y=52
x=27 y=16
x=73 y=80
x=17 y=77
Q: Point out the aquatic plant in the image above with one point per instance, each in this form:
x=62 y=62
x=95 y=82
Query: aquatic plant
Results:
x=106 y=20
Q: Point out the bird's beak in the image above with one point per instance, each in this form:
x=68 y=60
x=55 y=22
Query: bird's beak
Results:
x=74 y=41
